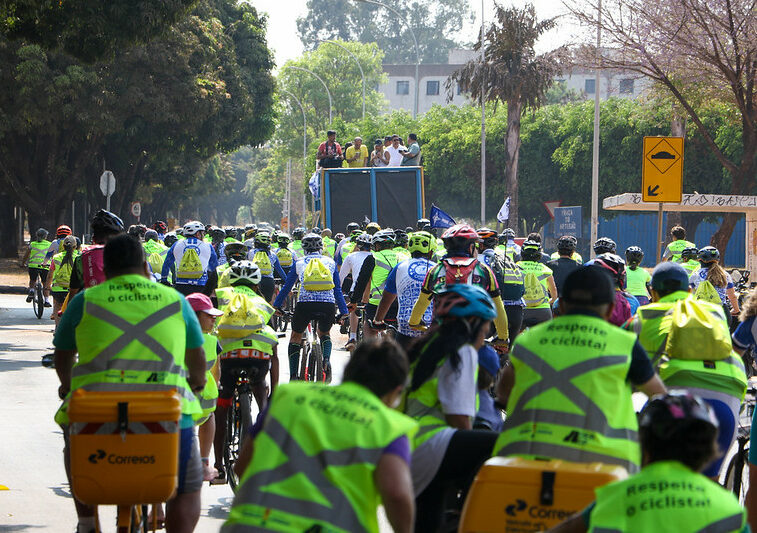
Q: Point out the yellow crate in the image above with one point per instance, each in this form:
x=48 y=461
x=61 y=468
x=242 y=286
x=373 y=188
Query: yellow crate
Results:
x=515 y=495
x=113 y=467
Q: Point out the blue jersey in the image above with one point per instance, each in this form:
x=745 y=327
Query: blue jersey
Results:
x=405 y=280
x=275 y=264
x=206 y=253
x=297 y=273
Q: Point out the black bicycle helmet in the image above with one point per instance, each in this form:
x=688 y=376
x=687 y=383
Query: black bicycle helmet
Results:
x=488 y=236
x=134 y=231
x=106 y=222
x=423 y=224
x=604 y=245
x=298 y=233
x=236 y=251
x=231 y=232
x=170 y=238
x=674 y=412
x=530 y=251
x=151 y=235
x=615 y=264
x=634 y=255
x=352 y=226
x=400 y=237
x=312 y=243
x=687 y=254
x=708 y=254
x=567 y=242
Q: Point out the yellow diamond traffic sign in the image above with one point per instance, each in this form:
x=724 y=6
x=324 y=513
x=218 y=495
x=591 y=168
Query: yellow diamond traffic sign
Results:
x=662 y=169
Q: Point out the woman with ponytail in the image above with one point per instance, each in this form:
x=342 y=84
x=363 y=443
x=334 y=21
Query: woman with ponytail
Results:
x=442 y=399
x=59 y=276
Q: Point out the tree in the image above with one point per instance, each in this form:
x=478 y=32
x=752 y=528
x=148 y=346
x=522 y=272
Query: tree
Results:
x=511 y=73
x=436 y=23
x=698 y=51
x=89 y=29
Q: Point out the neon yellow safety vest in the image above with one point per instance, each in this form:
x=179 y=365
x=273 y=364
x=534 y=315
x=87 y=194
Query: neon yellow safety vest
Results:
x=571 y=400
x=666 y=496
x=329 y=246
x=263 y=340
x=37 y=253
x=575 y=256
x=542 y=273
x=676 y=247
x=132 y=337
x=304 y=476
x=209 y=394
x=386 y=260
x=652 y=324
x=691 y=266
x=402 y=253
x=224 y=297
x=62 y=273
x=296 y=247
x=347 y=249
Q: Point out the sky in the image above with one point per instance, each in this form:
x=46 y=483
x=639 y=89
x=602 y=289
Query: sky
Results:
x=285 y=42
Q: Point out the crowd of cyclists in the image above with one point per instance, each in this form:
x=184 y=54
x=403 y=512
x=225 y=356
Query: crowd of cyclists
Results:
x=464 y=345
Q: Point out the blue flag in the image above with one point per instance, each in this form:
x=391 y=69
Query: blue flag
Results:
x=315 y=184
x=440 y=219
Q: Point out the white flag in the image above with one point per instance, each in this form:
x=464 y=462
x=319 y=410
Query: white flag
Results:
x=504 y=211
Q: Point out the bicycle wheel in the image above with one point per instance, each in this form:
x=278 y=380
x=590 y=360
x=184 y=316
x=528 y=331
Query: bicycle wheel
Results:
x=38 y=301
x=304 y=359
x=737 y=474
x=233 y=435
x=316 y=363
x=244 y=422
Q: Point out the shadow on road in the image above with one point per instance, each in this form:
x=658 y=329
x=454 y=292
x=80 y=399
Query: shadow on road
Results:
x=221 y=510
x=10 y=365
x=19 y=527
x=64 y=491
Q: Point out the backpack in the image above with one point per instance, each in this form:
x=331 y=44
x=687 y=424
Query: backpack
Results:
x=707 y=292
x=512 y=286
x=155 y=260
x=534 y=293
x=317 y=276
x=239 y=319
x=190 y=266
x=697 y=333
x=458 y=269
x=93 y=266
x=285 y=257
x=264 y=262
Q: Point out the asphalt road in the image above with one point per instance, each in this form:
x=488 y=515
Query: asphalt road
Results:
x=38 y=497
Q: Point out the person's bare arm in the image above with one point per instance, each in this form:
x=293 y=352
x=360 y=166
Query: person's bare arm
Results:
x=64 y=362
x=505 y=383
x=386 y=301
x=392 y=478
x=731 y=294
x=274 y=370
x=653 y=386
x=25 y=259
x=552 y=289
x=750 y=503
x=195 y=360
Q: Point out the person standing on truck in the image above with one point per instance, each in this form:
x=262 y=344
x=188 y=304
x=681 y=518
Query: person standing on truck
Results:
x=329 y=152
x=379 y=156
x=412 y=157
x=356 y=155
x=395 y=152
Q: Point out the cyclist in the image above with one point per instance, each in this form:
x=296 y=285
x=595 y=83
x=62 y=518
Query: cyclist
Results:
x=59 y=276
x=586 y=362
x=404 y=285
x=373 y=273
x=351 y=270
x=540 y=290
x=296 y=247
x=625 y=304
x=34 y=259
x=195 y=261
x=673 y=250
x=711 y=275
x=268 y=262
x=348 y=247
x=372 y=228
x=400 y=244
x=423 y=224
x=351 y=227
x=459 y=265
x=206 y=316
x=135 y=231
x=637 y=278
x=89 y=266
x=162 y=228
x=255 y=352
x=564 y=264
x=329 y=245
x=721 y=383
x=574 y=255
x=168 y=355
x=689 y=259
x=235 y=251
x=155 y=251
x=170 y=238
x=508 y=246
x=217 y=238
x=447 y=452
x=678 y=438
x=358 y=466
x=603 y=245
x=509 y=279
x=316 y=299
x=285 y=256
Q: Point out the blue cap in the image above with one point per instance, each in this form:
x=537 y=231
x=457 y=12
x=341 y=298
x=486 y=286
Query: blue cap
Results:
x=670 y=276
x=488 y=359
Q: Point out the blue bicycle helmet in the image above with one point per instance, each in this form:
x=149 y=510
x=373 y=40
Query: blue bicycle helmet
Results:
x=462 y=301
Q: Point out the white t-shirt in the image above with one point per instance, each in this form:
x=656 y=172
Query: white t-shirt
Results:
x=395 y=155
x=352 y=265
x=457 y=396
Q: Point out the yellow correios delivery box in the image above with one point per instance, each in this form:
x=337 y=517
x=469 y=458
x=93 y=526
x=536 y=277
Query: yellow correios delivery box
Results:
x=515 y=495
x=124 y=446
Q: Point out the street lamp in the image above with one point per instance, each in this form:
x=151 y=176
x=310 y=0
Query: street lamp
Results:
x=415 y=41
x=304 y=144
x=595 y=148
x=319 y=79
x=362 y=74
x=483 y=126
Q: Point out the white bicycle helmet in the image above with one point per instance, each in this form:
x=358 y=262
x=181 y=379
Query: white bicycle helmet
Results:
x=363 y=240
x=245 y=271
x=191 y=228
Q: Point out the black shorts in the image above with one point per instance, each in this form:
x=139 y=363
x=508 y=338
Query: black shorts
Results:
x=267 y=286
x=59 y=296
x=33 y=275
x=391 y=313
x=186 y=289
x=304 y=312
x=256 y=369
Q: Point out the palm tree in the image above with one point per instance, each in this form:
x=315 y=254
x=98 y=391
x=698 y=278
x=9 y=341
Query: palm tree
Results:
x=511 y=73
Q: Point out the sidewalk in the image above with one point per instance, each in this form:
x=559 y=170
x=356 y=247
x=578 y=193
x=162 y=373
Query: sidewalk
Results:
x=13 y=278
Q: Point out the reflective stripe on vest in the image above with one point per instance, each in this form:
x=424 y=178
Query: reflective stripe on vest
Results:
x=262 y=340
x=37 y=253
x=386 y=260
x=726 y=376
x=551 y=413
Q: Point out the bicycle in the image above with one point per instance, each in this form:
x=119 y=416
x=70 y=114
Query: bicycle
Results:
x=311 y=363
x=736 y=477
x=38 y=298
x=238 y=423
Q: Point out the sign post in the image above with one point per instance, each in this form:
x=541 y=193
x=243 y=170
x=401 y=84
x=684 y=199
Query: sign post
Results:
x=107 y=186
x=662 y=176
x=136 y=210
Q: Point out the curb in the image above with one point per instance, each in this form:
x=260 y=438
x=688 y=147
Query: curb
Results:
x=10 y=289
